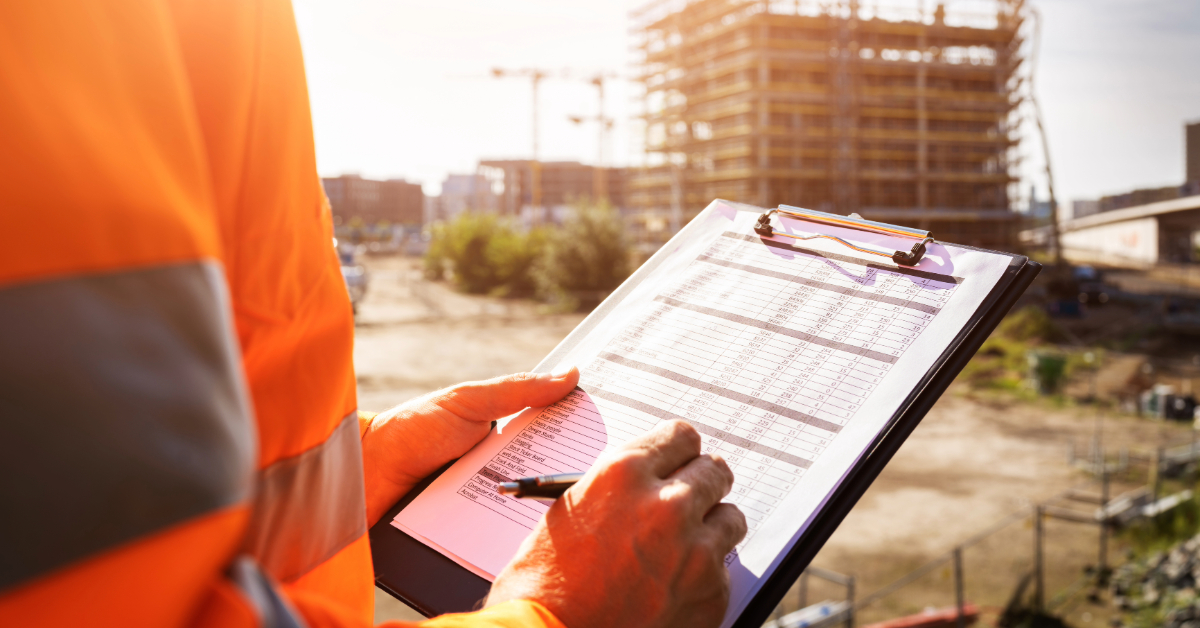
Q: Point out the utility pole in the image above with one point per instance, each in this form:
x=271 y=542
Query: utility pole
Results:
x=1102 y=567
x=1098 y=431
x=1156 y=472
x=1039 y=581
x=960 y=618
x=535 y=75
x=850 y=619
x=599 y=180
x=599 y=175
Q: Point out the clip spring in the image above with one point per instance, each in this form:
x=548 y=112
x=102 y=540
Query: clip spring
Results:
x=905 y=258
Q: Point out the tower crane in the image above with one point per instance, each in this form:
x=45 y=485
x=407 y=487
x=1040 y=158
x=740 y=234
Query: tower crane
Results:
x=605 y=124
x=536 y=76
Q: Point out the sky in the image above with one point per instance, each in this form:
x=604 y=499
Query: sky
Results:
x=404 y=89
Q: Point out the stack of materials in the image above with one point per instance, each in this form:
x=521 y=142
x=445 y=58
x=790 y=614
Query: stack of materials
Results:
x=1161 y=588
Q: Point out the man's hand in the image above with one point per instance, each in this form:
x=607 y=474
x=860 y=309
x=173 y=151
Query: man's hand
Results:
x=639 y=542
x=410 y=441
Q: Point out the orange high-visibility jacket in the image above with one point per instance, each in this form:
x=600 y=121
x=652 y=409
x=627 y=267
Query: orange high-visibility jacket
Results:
x=179 y=444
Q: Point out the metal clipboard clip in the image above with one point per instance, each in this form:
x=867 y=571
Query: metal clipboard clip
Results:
x=853 y=221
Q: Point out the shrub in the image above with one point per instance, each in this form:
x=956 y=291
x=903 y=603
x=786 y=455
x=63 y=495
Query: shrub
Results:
x=586 y=258
x=484 y=254
x=1030 y=323
x=576 y=264
x=513 y=256
x=436 y=259
x=1002 y=362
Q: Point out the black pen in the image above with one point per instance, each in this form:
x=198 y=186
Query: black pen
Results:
x=549 y=487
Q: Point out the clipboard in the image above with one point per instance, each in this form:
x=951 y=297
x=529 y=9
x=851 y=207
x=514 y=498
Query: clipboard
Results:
x=432 y=584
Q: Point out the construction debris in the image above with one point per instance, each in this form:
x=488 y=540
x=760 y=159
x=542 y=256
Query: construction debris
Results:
x=1164 y=585
x=820 y=615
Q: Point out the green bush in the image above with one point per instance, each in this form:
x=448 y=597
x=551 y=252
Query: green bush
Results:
x=1161 y=532
x=586 y=258
x=1002 y=361
x=513 y=256
x=484 y=254
x=576 y=264
x=435 y=260
x=1030 y=323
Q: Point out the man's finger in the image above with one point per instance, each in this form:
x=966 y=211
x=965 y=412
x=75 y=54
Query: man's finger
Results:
x=670 y=445
x=710 y=479
x=729 y=525
x=497 y=398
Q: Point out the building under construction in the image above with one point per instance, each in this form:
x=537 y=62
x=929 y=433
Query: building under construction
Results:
x=898 y=114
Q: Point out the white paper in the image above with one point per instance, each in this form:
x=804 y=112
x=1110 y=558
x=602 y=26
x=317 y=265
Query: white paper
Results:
x=788 y=363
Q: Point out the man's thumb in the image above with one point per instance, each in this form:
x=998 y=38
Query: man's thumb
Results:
x=497 y=398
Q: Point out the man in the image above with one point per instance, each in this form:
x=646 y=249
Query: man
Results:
x=179 y=442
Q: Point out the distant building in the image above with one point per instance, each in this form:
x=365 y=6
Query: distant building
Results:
x=464 y=192
x=1135 y=229
x=432 y=203
x=1192 y=168
x=1143 y=196
x=1039 y=210
x=1081 y=208
x=395 y=201
x=561 y=183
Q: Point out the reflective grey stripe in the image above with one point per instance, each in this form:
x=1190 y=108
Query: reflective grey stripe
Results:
x=272 y=609
x=122 y=411
x=308 y=507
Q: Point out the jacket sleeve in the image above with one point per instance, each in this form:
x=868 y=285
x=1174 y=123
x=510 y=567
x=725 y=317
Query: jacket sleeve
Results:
x=320 y=613
x=246 y=75
x=127 y=439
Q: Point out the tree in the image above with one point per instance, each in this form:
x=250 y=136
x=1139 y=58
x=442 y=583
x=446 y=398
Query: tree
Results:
x=485 y=255
x=586 y=259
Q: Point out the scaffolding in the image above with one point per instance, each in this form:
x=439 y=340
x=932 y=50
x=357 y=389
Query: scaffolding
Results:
x=895 y=113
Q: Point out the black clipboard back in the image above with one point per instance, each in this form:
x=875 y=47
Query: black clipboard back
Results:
x=417 y=574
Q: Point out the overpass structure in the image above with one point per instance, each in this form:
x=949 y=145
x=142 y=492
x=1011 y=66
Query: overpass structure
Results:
x=1167 y=232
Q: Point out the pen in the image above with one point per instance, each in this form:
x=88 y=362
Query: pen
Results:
x=549 y=487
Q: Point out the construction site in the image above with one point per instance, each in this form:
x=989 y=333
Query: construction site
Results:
x=900 y=114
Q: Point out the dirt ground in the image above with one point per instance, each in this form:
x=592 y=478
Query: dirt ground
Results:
x=974 y=460
x=971 y=463
x=414 y=336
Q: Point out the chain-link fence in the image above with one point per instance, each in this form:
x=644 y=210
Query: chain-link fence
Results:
x=1042 y=559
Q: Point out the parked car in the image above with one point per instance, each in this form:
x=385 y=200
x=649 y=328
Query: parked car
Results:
x=1090 y=285
x=353 y=273
x=1093 y=292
